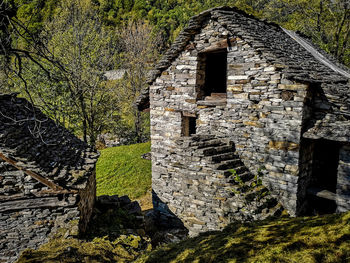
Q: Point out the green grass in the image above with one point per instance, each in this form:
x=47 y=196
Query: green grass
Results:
x=323 y=239
x=122 y=171
x=299 y=240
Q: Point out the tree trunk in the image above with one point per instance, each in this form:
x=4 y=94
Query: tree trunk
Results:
x=138 y=123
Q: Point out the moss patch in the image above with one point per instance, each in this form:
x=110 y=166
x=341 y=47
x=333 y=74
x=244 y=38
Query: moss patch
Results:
x=99 y=250
x=122 y=171
x=308 y=239
x=113 y=235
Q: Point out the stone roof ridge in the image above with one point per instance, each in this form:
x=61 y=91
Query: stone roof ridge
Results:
x=319 y=54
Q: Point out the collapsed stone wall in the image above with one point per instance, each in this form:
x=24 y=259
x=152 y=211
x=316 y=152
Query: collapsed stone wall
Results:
x=262 y=116
x=28 y=217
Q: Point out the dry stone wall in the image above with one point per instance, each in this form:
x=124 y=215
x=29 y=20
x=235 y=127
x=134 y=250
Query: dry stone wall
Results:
x=261 y=117
x=27 y=220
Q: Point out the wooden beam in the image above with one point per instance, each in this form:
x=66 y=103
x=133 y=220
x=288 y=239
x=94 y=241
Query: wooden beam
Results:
x=37 y=177
x=46 y=202
x=189 y=114
x=43 y=193
x=11 y=197
x=222 y=44
x=322 y=193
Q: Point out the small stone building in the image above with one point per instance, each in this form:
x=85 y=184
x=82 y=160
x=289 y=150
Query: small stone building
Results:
x=47 y=178
x=236 y=95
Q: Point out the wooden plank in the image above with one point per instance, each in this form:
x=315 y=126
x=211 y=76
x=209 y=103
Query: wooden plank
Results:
x=37 y=177
x=46 y=202
x=11 y=197
x=322 y=193
x=43 y=193
x=218 y=95
x=54 y=193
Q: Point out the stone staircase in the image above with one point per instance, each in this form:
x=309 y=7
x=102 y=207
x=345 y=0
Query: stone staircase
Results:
x=242 y=190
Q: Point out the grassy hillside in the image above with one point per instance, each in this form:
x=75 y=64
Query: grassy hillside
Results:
x=122 y=171
x=299 y=240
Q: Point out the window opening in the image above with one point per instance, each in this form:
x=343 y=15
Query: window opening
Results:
x=215 y=72
x=188 y=125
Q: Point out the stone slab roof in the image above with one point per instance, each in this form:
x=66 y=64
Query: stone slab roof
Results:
x=278 y=46
x=330 y=128
x=39 y=145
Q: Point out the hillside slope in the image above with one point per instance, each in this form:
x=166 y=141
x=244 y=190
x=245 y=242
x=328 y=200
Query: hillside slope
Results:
x=122 y=171
x=299 y=240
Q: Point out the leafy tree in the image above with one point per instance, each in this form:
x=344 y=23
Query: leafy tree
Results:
x=327 y=23
x=71 y=86
x=139 y=53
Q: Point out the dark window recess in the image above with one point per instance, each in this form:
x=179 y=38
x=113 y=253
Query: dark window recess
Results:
x=324 y=177
x=215 y=72
x=188 y=125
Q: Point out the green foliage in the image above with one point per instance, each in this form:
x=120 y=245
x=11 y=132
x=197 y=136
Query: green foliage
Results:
x=35 y=13
x=66 y=76
x=139 y=54
x=253 y=190
x=122 y=171
x=303 y=239
x=327 y=23
x=63 y=48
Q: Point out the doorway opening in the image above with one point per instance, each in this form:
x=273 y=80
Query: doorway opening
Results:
x=323 y=184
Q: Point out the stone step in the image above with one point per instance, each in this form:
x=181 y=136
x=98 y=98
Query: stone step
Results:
x=246 y=176
x=270 y=206
x=276 y=211
x=221 y=157
x=220 y=149
x=209 y=144
x=230 y=164
x=256 y=190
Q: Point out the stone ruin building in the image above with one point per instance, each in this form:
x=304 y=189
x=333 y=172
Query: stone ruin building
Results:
x=234 y=97
x=47 y=178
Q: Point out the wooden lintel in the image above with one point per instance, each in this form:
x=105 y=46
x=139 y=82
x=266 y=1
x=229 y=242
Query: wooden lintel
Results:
x=222 y=44
x=43 y=193
x=189 y=114
x=11 y=197
x=54 y=193
x=37 y=177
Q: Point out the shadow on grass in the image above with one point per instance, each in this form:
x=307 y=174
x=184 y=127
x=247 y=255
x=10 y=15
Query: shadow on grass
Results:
x=313 y=239
x=113 y=235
